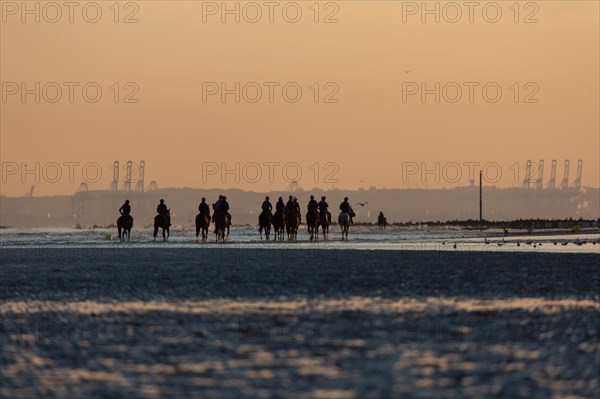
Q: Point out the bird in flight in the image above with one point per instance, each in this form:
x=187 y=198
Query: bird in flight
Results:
x=361 y=203
x=406 y=71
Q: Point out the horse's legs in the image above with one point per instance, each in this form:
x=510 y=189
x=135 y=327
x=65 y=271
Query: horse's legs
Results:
x=155 y=232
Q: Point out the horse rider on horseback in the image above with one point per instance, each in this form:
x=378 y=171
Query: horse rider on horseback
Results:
x=203 y=207
x=217 y=203
x=296 y=204
x=266 y=206
x=292 y=207
x=280 y=206
x=297 y=209
x=323 y=205
x=289 y=206
x=224 y=207
x=312 y=204
x=215 y=207
x=162 y=209
x=125 y=209
x=345 y=207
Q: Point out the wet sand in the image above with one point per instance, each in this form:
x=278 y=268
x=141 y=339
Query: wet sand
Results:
x=218 y=323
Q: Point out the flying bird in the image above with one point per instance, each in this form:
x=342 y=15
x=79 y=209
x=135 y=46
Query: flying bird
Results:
x=406 y=71
x=361 y=203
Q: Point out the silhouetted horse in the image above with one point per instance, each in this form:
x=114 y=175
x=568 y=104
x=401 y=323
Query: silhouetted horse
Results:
x=221 y=224
x=279 y=225
x=312 y=221
x=344 y=221
x=292 y=221
x=124 y=225
x=324 y=223
x=264 y=222
x=202 y=224
x=162 y=221
x=381 y=222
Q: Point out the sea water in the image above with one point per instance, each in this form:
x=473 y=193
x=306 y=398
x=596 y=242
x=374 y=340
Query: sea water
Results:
x=360 y=237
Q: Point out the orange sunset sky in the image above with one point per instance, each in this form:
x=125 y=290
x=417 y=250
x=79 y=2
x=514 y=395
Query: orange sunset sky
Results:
x=370 y=58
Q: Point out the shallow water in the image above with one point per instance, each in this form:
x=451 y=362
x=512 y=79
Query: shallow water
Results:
x=361 y=237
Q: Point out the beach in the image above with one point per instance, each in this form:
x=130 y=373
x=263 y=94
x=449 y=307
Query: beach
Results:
x=215 y=321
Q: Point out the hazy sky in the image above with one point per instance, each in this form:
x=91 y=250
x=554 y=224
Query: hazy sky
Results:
x=369 y=125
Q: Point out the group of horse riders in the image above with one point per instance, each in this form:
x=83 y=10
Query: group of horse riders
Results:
x=287 y=215
x=292 y=207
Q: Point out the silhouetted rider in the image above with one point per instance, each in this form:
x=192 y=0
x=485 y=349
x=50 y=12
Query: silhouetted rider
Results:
x=266 y=205
x=290 y=207
x=323 y=208
x=280 y=206
x=312 y=204
x=162 y=208
x=297 y=209
x=203 y=207
x=217 y=204
x=224 y=207
x=125 y=209
x=345 y=207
